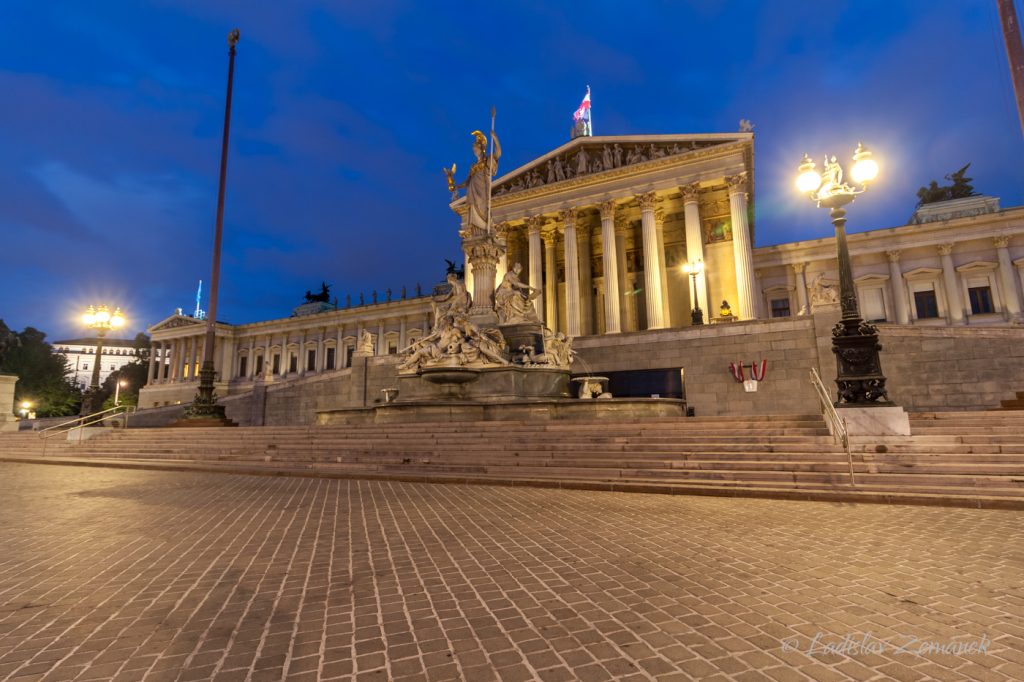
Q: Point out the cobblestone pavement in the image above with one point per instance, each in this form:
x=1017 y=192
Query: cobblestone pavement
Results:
x=128 y=575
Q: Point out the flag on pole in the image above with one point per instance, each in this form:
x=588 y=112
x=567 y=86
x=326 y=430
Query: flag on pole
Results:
x=583 y=113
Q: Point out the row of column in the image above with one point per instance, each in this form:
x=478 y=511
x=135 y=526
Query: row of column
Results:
x=177 y=360
x=955 y=304
x=579 y=278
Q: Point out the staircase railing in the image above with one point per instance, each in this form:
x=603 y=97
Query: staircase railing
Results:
x=81 y=422
x=836 y=424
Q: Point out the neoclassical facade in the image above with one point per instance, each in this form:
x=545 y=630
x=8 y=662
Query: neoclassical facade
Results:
x=602 y=226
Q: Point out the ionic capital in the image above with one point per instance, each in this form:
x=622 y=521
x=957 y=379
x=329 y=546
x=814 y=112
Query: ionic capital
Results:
x=1001 y=242
x=607 y=210
x=648 y=201
x=894 y=255
x=945 y=249
x=690 y=192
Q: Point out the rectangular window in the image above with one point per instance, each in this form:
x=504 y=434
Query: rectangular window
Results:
x=926 y=304
x=85 y=366
x=330 y=359
x=259 y=365
x=311 y=360
x=780 y=307
x=348 y=356
x=872 y=304
x=392 y=347
x=243 y=364
x=293 y=362
x=277 y=363
x=981 y=300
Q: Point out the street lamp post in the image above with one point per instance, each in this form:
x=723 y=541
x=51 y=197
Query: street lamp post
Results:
x=117 y=391
x=100 y=320
x=204 y=405
x=694 y=270
x=859 y=375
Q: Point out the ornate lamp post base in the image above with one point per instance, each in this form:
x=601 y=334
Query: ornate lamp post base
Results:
x=859 y=375
x=696 y=316
x=204 y=410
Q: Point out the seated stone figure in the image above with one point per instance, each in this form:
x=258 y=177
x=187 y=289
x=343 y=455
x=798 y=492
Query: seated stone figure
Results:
x=513 y=299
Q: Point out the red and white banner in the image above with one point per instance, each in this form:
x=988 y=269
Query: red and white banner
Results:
x=757 y=371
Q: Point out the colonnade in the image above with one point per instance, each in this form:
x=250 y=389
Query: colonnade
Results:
x=543 y=232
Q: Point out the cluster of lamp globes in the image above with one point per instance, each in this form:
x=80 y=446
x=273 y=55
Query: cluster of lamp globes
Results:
x=829 y=182
x=100 y=317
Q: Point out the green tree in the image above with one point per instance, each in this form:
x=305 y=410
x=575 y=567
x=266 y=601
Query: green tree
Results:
x=42 y=372
x=134 y=375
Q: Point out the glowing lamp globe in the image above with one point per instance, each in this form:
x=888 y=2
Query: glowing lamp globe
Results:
x=865 y=169
x=807 y=179
x=89 y=316
x=102 y=315
x=117 y=319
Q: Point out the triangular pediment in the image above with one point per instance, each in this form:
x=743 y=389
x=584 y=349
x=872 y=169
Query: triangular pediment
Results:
x=175 y=321
x=591 y=156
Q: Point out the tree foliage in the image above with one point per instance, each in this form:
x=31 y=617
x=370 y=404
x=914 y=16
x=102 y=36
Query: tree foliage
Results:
x=134 y=375
x=42 y=372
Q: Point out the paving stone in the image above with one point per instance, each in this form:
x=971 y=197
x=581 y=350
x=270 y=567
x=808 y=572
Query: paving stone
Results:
x=123 y=574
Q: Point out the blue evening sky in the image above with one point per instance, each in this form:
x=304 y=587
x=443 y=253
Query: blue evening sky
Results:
x=345 y=112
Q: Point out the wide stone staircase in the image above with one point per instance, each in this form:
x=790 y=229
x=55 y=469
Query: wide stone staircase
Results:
x=974 y=459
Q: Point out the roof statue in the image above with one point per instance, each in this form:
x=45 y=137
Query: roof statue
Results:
x=960 y=188
x=323 y=297
x=478 y=182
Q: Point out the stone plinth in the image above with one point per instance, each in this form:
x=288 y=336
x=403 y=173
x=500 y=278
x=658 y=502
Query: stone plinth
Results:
x=954 y=208
x=891 y=420
x=8 y=422
x=518 y=410
x=490 y=384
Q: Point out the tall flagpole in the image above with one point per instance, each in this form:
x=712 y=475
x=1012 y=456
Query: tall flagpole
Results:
x=590 y=113
x=1014 y=52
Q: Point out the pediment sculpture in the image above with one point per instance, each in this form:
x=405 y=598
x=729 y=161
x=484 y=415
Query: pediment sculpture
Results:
x=593 y=158
x=822 y=292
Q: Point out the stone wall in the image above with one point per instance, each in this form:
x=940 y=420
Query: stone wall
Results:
x=952 y=368
x=705 y=353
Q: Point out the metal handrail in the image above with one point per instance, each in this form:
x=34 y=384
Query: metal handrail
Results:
x=81 y=422
x=837 y=425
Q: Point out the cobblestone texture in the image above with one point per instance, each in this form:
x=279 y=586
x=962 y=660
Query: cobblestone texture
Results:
x=129 y=575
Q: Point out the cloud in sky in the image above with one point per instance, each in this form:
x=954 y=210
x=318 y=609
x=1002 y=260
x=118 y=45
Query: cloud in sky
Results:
x=344 y=114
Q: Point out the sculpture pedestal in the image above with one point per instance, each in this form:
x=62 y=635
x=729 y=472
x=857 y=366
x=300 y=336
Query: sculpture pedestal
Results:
x=8 y=422
x=886 y=420
x=523 y=334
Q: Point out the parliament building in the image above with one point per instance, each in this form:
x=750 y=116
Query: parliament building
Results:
x=603 y=227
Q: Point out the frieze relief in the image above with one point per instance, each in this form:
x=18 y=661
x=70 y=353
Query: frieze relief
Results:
x=592 y=159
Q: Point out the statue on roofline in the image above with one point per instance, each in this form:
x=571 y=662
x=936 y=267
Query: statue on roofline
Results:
x=478 y=182
x=960 y=188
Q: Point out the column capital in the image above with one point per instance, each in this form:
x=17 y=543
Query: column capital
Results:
x=607 y=210
x=548 y=234
x=894 y=255
x=945 y=249
x=690 y=192
x=534 y=223
x=621 y=225
x=737 y=183
x=1001 y=242
x=568 y=216
x=798 y=267
x=648 y=201
x=502 y=228
x=659 y=217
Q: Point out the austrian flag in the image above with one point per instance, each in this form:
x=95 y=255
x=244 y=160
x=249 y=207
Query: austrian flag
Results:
x=583 y=113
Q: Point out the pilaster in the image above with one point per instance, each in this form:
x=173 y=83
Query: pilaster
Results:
x=956 y=309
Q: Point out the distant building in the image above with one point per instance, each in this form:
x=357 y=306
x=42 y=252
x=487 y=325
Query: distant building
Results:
x=81 y=355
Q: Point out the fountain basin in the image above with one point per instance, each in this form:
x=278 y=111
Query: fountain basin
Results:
x=450 y=375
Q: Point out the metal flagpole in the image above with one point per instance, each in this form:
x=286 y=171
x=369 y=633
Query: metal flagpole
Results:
x=1014 y=52
x=590 y=114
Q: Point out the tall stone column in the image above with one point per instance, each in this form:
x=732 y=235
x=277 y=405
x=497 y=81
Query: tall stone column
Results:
x=193 y=358
x=382 y=348
x=899 y=289
x=572 y=273
x=1010 y=296
x=801 y=287
x=627 y=299
x=401 y=334
x=180 y=361
x=586 y=281
x=501 y=230
x=612 y=322
x=652 y=262
x=301 y=363
x=152 y=363
x=533 y=225
x=742 y=249
x=483 y=251
x=659 y=226
x=695 y=242
x=550 y=279
x=956 y=308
